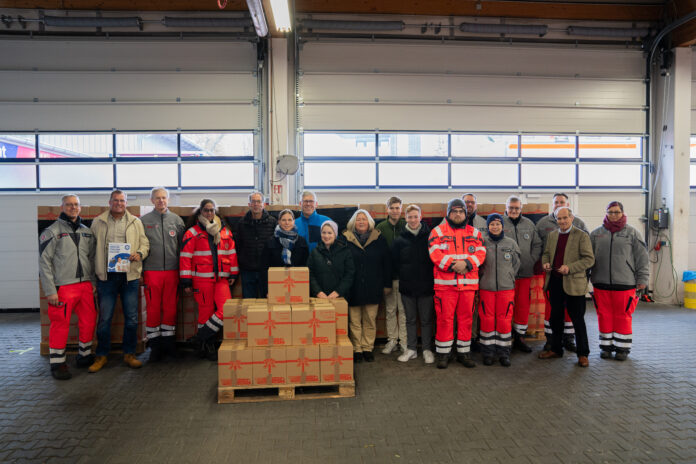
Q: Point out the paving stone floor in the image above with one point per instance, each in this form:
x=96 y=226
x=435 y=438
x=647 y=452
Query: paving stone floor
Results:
x=639 y=411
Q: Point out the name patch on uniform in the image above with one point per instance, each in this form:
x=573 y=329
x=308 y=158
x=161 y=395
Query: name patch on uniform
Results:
x=526 y=236
x=507 y=256
x=172 y=233
x=472 y=248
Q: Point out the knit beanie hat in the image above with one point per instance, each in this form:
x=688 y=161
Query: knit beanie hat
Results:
x=455 y=203
x=493 y=217
x=331 y=224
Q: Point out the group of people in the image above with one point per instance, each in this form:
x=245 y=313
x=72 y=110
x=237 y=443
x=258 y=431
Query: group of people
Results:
x=467 y=279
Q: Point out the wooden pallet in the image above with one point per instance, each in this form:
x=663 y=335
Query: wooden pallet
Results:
x=256 y=394
x=71 y=348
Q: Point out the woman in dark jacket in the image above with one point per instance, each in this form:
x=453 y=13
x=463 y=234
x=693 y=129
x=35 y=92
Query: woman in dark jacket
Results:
x=415 y=269
x=330 y=265
x=373 y=280
x=285 y=249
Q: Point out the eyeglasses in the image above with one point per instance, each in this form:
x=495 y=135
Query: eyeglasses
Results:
x=208 y=210
x=614 y=212
x=514 y=208
x=458 y=211
x=308 y=202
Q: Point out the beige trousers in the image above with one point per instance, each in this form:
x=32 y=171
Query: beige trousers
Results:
x=363 y=327
x=396 y=316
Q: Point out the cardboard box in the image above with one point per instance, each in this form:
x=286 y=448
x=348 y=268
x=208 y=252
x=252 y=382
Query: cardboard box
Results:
x=234 y=320
x=303 y=364
x=341 y=307
x=235 y=364
x=313 y=325
x=269 y=365
x=337 y=361
x=269 y=327
x=288 y=285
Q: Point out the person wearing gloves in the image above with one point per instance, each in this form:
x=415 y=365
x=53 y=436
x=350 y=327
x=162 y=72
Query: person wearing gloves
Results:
x=523 y=232
x=118 y=227
x=621 y=266
x=415 y=272
x=285 y=249
x=497 y=292
x=567 y=257
x=208 y=268
x=330 y=265
x=66 y=254
x=373 y=280
x=456 y=251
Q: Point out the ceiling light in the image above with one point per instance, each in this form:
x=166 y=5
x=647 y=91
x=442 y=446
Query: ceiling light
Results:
x=281 y=15
x=257 y=17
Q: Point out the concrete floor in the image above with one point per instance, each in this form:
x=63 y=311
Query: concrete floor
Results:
x=642 y=410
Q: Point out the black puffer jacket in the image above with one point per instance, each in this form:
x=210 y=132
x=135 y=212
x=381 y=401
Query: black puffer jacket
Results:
x=250 y=237
x=331 y=269
x=412 y=262
x=372 y=268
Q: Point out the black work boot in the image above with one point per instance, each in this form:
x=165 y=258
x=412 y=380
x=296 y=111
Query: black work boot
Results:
x=60 y=371
x=156 y=353
x=210 y=348
x=519 y=344
x=569 y=342
x=168 y=346
x=465 y=360
x=84 y=361
x=505 y=361
x=621 y=355
x=442 y=360
x=605 y=354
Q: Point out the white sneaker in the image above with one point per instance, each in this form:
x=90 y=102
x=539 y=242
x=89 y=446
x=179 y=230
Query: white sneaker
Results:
x=408 y=355
x=428 y=356
x=403 y=347
x=389 y=347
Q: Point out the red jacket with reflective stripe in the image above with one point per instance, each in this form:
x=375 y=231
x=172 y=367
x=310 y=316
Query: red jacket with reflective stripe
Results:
x=196 y=260
x=447 y=244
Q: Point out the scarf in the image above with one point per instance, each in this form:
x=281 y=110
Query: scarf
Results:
x=614 y=226
x=287 y=239
x=498 y=237
x=362 y=238
x=414 y=231
x=74 y=225
x=213 y=228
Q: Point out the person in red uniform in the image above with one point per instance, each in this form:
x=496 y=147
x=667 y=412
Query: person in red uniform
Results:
x=208 y=268
x=66 y=270
x=456 y=250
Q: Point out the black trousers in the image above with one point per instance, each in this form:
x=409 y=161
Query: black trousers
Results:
x=560 y=301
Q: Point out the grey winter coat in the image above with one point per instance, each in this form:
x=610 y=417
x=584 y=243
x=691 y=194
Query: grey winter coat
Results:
x=164 y=232
x=66 y=255
x=502 y=263
x=527 y=238
x=621 y=259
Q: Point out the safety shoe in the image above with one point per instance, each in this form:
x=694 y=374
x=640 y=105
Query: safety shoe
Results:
x=132 y=361
x=548 y=354
x=465 y=360
x=583 y=361
x=428 y=357
x=605 y=354
x=487 y=360
x=621 y=355
x=520 y=345
x=60 y=371
x=369 y=357
x=197 y=345
x=407 y=356
x=156 y=351
x=569 y=343
x=505 y=361
x=442 y=360
x=389 y=347
x=357 y=357
x=84 y=361
x=211 y=350
x=98 y=363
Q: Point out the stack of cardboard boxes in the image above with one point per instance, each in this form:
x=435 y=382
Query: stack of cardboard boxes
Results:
x=288 y=339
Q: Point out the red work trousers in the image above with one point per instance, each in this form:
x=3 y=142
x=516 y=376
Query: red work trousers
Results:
x=615 y=316
x=495 y=314
x=210 y=296
x=161 y=299
x=448 y=304
x=76 y=297
x=523 y=296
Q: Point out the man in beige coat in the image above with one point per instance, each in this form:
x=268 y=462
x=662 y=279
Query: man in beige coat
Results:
x=567 y=257
x=118 y=229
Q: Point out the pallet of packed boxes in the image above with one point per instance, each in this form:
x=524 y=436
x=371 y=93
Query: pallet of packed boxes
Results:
x=286 y=347
x=46 y=216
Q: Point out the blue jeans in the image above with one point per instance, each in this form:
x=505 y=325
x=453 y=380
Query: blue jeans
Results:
x=116 y=284
x=251 y=284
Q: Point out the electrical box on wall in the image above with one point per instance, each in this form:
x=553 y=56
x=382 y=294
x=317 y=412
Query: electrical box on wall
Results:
x=661 y=218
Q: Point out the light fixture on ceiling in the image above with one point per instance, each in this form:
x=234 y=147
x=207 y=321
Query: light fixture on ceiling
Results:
x=281 y=15
x=257 y=17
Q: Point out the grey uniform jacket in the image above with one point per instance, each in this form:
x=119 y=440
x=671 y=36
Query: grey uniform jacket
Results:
x=502 y=262
x=478 y=222
x=548 y=224
x=66 y=255
x=621 y=259
x=164 y=231
x=527 y=238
